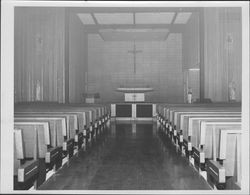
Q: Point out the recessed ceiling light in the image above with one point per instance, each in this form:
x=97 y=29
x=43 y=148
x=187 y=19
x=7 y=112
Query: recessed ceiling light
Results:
x=154 y=18
x=182 y=17
x=86 y=18
x=114 y=18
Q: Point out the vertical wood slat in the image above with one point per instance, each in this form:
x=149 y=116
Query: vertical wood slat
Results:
x=222 y=64
x=39 y=53
x=66 y=55
x=77 y=59
x=201 y=41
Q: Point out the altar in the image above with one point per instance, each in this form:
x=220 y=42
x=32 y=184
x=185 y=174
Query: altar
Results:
x=132 y=94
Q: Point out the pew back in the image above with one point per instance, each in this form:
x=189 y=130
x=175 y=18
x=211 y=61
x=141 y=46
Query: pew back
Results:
x=194 y=126
x=230 y=152
x=56 y=125
x=210 y=136
x=70 y=125
x=36 y=138
x=183 y=121
x=18 y=149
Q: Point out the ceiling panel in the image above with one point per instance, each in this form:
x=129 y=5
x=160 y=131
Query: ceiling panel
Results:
x=86 y=18
x=114 y=18
x=182 y=17
x=134 y=34
x=154 y=18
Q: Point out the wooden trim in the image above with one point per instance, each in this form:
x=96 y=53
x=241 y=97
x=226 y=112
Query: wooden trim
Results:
x=131 y=9
x=172 y=27
x=202 y=65
x=94 y=18
x=66 y=56
x=173 y=20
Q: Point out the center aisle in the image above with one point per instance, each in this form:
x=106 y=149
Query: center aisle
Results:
x=129 y=157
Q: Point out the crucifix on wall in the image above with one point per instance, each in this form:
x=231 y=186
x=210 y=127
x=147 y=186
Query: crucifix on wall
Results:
x=134 y=52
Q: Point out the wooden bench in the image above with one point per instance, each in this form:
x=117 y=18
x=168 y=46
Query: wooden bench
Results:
x=168 y=110
x=92 y=112
x=26 y=168
x=171 y=113
x=179 y=127
x=189 y=121
x=225 y=171
x=207 y=144
x=196 y=125
x=36 y=138
x=53 y=158
x=80 y=131
x=191 y=134
x=97 y=122
x=71 y=123
x=181 y=120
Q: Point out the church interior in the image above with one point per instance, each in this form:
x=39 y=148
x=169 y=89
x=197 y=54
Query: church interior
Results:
x=127 y=98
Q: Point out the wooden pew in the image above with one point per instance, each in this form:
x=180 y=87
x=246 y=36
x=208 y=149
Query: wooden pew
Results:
x=92 y=113
x=225 y=171
x=191 y=134
x=84 y=115
x=207 y=146
x=26 y=168
x=209 y=135
x=222 y=117
x=97 y=120
x=168 y=109
x=170 y=116
x=189 y=121
x=181 y=121
x=174 y=113
x=63 y=132
x=182 y=128
x=193 y=130
x=53 y=158
x=97 y=110
x=36 y=138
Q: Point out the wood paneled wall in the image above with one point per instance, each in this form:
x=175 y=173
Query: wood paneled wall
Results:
x=222 y=53
x=191 y=50
x=159 y=66
x=191 y=56
x=78 y=53
x=39 y=54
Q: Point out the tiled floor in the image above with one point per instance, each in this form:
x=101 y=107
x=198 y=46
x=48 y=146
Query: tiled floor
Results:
x=130 y=157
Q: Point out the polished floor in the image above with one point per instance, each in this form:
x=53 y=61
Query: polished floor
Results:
x=129 y=157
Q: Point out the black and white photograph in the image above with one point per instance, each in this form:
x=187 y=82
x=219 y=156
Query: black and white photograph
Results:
x=124 y=97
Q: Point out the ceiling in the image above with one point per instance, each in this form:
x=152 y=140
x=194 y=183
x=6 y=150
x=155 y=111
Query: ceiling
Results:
x=139 y=25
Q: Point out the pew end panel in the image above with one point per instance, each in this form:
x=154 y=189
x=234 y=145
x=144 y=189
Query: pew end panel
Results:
x=218 y=174
x=210 y=136
x=53 y=158
x=30 y=170
x=230 y=153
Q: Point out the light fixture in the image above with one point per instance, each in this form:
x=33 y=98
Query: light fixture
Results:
x=194 y=69
x=182 y=17
x=86 y=18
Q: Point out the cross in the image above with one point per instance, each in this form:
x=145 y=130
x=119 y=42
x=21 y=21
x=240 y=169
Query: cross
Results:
x=134 y=52
x=134 y=97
